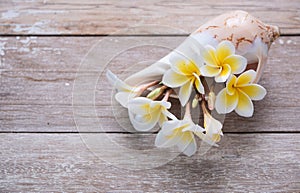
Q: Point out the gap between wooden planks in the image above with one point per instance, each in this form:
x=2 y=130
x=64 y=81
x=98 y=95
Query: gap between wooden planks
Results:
x=106 y=16
x=38 y=74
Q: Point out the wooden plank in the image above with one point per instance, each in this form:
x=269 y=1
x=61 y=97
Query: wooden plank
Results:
x=106 y=16
x=61 y=162
x=36 y=85
x=55 y=60
x=60 y=118
x=63 y=54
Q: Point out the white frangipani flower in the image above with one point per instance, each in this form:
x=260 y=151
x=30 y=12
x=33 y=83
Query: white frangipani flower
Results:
x=145 y=113
x=238 y=94
x=212 y=127
x=179 y=133
x=184 y=73
x=222 y=61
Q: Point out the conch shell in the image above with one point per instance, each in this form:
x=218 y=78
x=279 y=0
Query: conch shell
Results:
x=251 y=37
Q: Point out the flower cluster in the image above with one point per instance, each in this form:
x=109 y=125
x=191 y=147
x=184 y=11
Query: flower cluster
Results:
x=148 y=104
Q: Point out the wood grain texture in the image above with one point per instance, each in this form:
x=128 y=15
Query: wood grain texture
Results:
x=106 y=16
x=39 y=151
x=61 y=162
x=38 y=73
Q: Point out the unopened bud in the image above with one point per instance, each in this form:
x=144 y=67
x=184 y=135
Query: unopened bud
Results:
x=195 y=102
x=211 y=100
x=155 y=93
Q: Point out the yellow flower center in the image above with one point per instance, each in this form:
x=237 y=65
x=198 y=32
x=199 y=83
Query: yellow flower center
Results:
x=188 y=68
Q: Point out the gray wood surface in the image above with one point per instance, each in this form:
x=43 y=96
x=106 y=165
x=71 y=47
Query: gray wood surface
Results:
x=61 y=162
x=106 y=16
x=35 y=71
x=42 y=43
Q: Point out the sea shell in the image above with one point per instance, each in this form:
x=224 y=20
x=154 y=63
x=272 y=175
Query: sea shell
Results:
x=251 y=37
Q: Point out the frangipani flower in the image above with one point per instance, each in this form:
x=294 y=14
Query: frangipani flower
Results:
x=184 y=73
x=179 y=133
x=222 y=61
x=145 y=113
x=125 y=92
x=238 y=94
x=204 y=54
x=212 y=127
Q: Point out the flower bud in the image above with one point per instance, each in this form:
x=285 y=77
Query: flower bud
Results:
x=195 y=102
x=211 y=100
x=155 y=93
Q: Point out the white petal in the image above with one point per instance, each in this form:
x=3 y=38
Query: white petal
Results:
x=169 y=126
x=226 y=103
x=246 y=78
x=209 y=56
x=198 y=128
x=254 y=91
x=194 y=128
x=199 y=85
x=230 y=85
x=237 y=63
x=224 y=75
x=224 y=49
x=173 y=79
x=175 y=57
x=188 y=147
x=180 y=67
x=139 y=105
x=210 y=71
x=162 y=118
x=162 y=140
x=245 y=106
x=168 y=114
x=124 y=97
x=191 y=148
x=140 y=123
x=207 y=139
x=167 y=136
x=212 y=125
x=200 y=134
x=117 y=83
x=185 y=93
x=165 y=104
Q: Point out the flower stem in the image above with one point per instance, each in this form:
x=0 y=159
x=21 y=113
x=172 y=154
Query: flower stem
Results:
x=205 y=85
x=161 y=91
x=146 y=86
x=167 y=95
x=187 y=114
x=203 y=106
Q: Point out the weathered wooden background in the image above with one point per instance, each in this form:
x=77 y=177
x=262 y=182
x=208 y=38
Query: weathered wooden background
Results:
x=42 y=43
